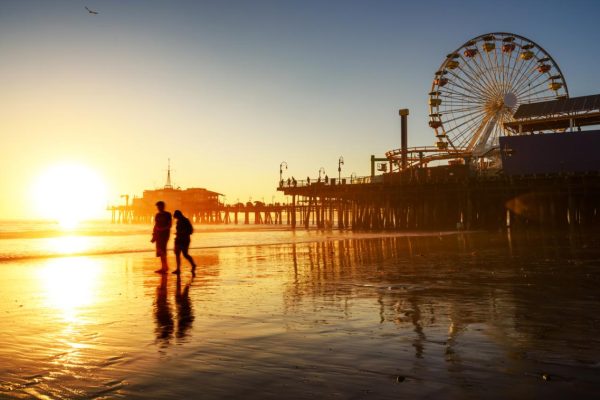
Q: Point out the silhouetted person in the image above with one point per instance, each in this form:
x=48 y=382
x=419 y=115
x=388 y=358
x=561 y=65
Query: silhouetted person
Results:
x=163 y=314
x=326 y=179
x=183 y=231
x=160 y=235
x=185 y=312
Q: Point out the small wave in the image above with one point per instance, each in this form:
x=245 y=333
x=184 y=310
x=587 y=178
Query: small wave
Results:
x=42 y=230
x=285 y=241
x=56 y=233
x=25 y=257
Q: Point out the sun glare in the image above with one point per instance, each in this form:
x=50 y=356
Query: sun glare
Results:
x=69 y=194
x=69 y=284
x=71 y=244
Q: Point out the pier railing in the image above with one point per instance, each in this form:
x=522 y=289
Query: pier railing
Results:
x=349 y=180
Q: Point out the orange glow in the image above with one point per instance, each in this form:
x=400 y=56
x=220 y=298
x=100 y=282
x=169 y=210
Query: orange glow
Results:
x=69 y=194
x=67 y=244
x=69 y=284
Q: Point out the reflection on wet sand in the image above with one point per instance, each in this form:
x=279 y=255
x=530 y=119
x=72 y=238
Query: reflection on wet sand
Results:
x=163 y=314
x=454 y=316
x=490 y=294
x=185 y=311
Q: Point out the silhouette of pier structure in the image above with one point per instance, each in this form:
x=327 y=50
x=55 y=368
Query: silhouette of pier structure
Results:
x=529 y=178
x=549 y=179
x=443 y=197
x=251 y=213
x=202 y=206
x=446 y=197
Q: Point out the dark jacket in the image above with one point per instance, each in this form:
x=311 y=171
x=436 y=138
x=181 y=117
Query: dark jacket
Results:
x=162 y=226
x=183 y=229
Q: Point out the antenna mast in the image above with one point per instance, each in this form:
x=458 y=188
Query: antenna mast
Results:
x=168 y=185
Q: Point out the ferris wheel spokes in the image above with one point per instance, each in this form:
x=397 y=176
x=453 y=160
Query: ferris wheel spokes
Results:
x=480 y=85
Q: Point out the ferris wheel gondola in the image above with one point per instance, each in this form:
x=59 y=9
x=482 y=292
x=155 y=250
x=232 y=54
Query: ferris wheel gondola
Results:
x=479 y=86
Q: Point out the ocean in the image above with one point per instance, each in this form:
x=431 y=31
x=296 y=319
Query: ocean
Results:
x=39 y=239
x=272 y=313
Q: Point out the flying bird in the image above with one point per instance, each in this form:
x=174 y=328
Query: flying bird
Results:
x=91 y=11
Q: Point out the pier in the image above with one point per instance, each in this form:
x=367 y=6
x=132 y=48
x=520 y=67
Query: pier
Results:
x=446 y=197
x=525 y=179
x=258 y=214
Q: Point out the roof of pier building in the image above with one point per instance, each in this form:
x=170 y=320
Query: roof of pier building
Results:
x=573 y=112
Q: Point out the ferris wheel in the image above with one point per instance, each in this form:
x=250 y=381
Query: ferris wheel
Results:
x=480 y=85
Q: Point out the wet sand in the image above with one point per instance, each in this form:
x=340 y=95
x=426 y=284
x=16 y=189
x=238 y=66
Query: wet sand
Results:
x=460 y=316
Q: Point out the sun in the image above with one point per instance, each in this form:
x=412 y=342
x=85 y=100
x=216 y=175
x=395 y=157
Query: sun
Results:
x=69 y=194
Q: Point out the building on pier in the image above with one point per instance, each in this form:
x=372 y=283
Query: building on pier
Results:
x=196 y=203
x=192 y=201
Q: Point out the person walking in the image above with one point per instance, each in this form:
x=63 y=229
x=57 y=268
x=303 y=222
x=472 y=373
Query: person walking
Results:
x=160 y=235
x=183 y=231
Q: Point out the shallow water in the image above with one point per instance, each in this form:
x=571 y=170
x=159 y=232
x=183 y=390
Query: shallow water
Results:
x=453 y=316
x=21 y=240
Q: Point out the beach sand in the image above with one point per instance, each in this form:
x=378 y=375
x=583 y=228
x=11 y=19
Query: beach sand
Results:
x=456 y=316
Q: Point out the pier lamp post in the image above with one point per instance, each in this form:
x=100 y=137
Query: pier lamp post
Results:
x=281 y=165
x=321 y=170
x=340 y=163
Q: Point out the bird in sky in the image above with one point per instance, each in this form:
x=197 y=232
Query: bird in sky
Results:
x=91 y=11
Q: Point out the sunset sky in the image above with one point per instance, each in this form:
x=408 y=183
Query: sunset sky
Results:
x=229 y=89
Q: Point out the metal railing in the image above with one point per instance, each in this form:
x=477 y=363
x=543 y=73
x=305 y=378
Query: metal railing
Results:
x=350 y=180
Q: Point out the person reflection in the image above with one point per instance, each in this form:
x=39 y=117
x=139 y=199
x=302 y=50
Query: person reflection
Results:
x=419 y=340
x=163 y=314
x=185 y=312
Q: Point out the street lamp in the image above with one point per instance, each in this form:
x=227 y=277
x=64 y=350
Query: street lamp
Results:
x=281 y=165
x=321 y=170
x=340 y=163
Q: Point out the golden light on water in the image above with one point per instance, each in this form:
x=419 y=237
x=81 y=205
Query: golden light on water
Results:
x=67 y=244
x=69 y=194
x=69 y=284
